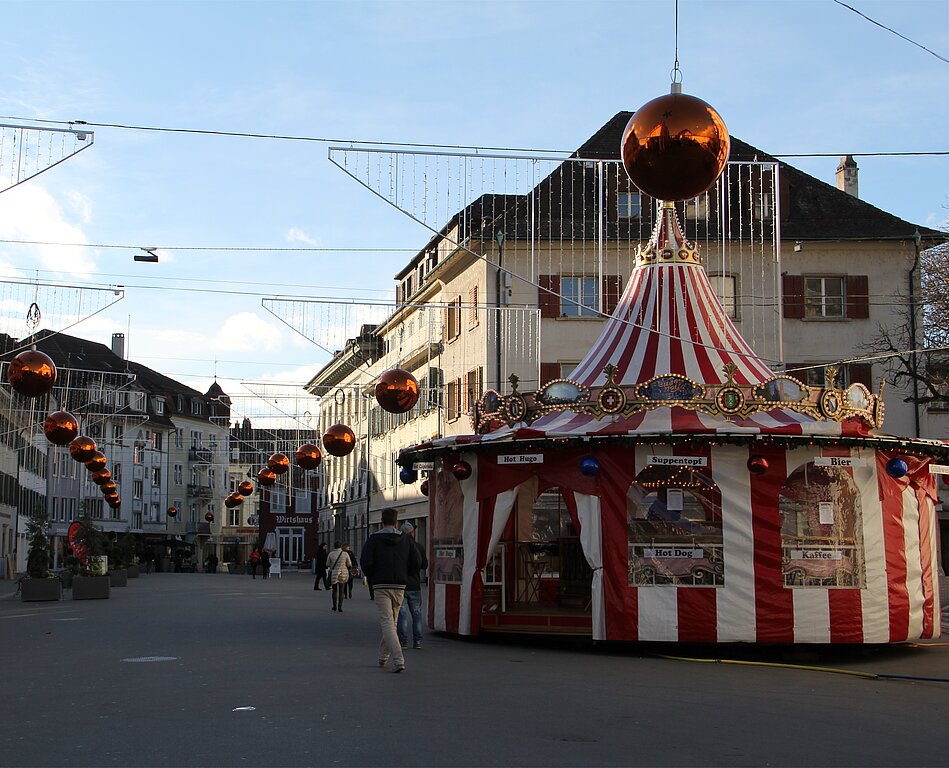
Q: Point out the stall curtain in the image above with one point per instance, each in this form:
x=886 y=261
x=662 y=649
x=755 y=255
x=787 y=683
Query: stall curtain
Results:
x=588 y=511
x=484 y=522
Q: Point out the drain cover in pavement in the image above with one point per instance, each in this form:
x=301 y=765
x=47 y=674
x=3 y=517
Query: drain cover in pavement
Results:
x=149 y=659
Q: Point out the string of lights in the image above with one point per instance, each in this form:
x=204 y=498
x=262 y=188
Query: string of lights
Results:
x=351 y=142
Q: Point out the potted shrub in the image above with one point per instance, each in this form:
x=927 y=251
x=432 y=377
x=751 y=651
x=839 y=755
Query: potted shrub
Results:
x=91 y=580
x=129 y=557
x=40 y=583
x=118 y=572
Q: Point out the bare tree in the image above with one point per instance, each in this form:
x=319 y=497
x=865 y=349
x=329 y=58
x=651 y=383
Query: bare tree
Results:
x=922 y=367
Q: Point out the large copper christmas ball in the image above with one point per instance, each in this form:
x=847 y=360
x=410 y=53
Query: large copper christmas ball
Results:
x=209 y=516
x=108 y=487
x=675 y=147
x=82 y=448
x=102 y=476
x=61 y=428
x=397 y=391
x=308 y=456
x=266 y=477
x=114 y=503
x=278 y=463
x=423 y=488
x=111 y=498
x=233 y=500
x=97 y=462
x=172 y=512
x=32 y=373
x=339 y=440
x=245 y=488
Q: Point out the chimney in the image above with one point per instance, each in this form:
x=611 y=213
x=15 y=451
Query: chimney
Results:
x=847 y=176
x=118 y=345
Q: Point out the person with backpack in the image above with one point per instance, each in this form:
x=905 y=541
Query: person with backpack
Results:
x=338 y=564
x=387 y=559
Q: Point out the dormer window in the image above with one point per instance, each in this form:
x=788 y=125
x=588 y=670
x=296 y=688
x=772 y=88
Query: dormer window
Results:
x=159 y=405
x=195 y=407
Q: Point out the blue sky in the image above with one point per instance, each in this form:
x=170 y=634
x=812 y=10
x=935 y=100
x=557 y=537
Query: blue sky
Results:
x=788 y=77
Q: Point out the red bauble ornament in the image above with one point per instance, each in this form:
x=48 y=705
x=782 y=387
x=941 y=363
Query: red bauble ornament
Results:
x=424 y=488
x=114 y=503
x=339 y=440
x=675 y=147
x=278 y=463
x=82 y=448
x=97 y=462
x=461 y=470
x=61 y=427
x=266 y=477
x=397 y=391
x=102 y=476
x=308 y=456
x=209 y=517
x=172 y=512
x=32 y=373
x=245 y=488
x=111 y=498
x=757 y=465
x=233 y=500
x=108 y=487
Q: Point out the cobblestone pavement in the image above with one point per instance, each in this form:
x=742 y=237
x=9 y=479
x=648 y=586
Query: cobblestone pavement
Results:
x=198 y=670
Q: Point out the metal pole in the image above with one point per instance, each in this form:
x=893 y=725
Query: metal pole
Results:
x=499 y=237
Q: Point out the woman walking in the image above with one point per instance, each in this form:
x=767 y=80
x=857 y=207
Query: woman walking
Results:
x=338 y=564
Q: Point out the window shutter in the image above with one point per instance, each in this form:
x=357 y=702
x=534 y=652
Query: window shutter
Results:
x=861 y=373
x=792 y=288
x=611 y=292
x=858 y=297
x=549 y=372
x=548 y=296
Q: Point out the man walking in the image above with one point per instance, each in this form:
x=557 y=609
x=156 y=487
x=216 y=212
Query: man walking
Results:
x=412 y=605
x=387 y=559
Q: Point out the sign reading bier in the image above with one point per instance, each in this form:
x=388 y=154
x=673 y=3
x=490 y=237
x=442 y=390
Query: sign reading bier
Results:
x=677 y=461
x=839 y=461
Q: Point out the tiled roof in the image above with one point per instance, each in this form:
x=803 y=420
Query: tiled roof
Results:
x=812 y=209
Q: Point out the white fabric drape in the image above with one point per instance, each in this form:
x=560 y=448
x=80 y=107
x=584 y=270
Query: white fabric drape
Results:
x=469 y=540
x=591 y=540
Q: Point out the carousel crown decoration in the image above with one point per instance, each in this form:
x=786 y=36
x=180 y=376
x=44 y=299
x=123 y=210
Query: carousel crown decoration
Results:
x=728 y=400
x=667 y=245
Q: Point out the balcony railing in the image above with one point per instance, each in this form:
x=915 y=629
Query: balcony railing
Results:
x=203 y=455
x=200 y=491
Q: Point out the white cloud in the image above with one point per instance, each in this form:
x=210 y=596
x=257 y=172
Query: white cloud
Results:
x=30 y=212
x=297 y=235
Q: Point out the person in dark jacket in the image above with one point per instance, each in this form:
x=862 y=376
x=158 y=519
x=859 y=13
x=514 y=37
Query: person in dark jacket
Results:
x=265 y=562
x=387 y=559
x=320 y=567
x=412 y=604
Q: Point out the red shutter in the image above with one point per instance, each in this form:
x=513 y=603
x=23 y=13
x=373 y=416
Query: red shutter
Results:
x=858 y=297
x=548 y=372
x=792 y=288
x=861 y=373
x=611 y=292
x=548 y=297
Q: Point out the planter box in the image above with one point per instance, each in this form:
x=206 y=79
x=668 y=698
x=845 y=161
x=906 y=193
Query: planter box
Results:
x=90 y=587
x=133 y=571
x=119 y=578
x=40 y=589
